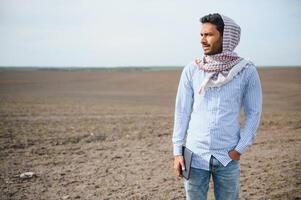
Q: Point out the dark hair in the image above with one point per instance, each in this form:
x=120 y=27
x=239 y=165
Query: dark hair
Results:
x=215 y=19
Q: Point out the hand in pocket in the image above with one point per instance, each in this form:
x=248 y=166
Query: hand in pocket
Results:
x=234 y=155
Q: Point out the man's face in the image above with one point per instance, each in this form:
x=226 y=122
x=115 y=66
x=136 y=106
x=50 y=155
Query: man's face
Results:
x=211 y=39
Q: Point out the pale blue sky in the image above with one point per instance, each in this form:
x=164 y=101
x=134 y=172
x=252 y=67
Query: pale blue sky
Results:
x=141 y=32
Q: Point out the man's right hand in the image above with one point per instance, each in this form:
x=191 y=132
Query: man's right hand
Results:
x=179 y=165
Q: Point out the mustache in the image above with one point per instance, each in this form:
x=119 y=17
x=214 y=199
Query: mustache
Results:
x=205 y=44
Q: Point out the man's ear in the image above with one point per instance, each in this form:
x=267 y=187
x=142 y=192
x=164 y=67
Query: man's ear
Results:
x=221 y=38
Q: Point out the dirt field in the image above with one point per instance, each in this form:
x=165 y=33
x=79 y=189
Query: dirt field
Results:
x=107 y=135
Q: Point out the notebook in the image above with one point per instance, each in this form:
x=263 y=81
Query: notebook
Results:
x=187 y=154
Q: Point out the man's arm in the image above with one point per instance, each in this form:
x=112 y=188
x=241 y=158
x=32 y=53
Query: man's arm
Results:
x=252 y=103
x=183 y=108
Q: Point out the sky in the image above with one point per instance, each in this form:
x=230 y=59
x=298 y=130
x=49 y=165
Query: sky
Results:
x=99 y=33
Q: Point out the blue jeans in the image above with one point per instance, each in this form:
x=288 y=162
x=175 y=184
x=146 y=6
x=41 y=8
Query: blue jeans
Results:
x=225 y=180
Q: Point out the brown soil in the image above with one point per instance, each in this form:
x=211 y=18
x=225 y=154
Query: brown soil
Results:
x=107 y=135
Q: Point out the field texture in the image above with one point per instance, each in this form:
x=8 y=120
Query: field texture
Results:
x=107 y=135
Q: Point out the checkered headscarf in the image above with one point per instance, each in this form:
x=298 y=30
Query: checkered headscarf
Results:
x=224 y=66
x=227 y=59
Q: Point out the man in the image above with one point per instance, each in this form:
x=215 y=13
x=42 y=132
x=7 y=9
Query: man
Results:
x=210 y=95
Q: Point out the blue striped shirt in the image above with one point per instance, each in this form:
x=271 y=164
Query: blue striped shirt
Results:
x=210 y=125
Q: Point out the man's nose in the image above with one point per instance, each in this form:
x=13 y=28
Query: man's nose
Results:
x=203 y=39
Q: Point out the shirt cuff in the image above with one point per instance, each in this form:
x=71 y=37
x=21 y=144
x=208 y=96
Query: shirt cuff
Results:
x=177 y=150
x=241 y=148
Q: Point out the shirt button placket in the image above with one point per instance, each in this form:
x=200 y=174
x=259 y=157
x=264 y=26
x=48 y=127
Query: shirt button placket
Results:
x=212 y=115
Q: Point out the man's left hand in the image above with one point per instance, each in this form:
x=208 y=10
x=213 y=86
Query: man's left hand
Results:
x=234 y=155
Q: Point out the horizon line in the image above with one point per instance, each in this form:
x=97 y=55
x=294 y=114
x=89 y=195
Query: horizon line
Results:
x=114 y=69
x=126 y=66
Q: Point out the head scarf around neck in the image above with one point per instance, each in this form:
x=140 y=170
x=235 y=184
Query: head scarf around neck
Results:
x=220 y=67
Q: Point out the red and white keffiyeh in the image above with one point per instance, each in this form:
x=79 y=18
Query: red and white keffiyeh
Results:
x=224 y=66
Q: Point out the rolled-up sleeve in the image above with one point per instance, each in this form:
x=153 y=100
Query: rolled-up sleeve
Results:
x=252 y=104
x=183 y=108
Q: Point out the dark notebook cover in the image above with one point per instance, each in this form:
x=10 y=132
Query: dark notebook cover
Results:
x=187 y=154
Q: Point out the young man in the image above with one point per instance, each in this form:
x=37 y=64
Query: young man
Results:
x=210 y=95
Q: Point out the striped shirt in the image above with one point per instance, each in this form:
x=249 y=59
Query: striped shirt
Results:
x=210 y=125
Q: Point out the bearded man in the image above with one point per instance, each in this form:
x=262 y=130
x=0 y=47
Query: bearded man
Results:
x=211 y=92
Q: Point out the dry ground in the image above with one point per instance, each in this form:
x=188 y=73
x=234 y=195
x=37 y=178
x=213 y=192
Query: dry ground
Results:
x=107 y=135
